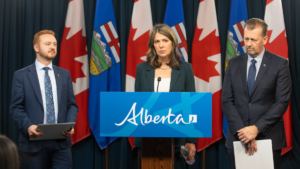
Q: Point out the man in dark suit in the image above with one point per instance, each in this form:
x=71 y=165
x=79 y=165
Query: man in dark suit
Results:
x=256 y=93
x=43 y=94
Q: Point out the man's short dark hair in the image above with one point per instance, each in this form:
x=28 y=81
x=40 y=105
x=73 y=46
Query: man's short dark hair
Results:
x=254 y=22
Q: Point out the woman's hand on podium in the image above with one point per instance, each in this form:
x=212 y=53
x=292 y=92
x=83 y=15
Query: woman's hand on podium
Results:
x=192 y=148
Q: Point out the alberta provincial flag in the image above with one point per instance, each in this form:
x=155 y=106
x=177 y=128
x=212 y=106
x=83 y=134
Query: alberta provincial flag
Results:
x=235 y=37
x=174 y=17
x=105 y=72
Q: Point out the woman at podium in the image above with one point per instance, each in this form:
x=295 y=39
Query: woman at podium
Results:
x=165 y=72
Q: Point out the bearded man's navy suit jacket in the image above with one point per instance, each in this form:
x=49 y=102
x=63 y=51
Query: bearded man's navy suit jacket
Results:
x=267 y=104
x=27 y=104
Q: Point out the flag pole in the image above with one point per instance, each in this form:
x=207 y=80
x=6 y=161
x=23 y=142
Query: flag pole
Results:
x=139 y=158
x=106 y=158
x=203 y=159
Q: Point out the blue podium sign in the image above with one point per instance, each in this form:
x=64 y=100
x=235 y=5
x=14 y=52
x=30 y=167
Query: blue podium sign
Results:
x=154 y=114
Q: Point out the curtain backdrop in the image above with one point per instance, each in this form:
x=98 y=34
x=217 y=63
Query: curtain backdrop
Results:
x=21 y=19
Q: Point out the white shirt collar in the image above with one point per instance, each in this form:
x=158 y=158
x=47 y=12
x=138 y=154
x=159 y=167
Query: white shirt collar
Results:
x=258 y=58
x=40 y=66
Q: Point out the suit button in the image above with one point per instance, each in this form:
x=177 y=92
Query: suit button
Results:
x=249 y=104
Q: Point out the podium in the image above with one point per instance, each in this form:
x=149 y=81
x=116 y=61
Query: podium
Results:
x=157 y=153
x=156 y=117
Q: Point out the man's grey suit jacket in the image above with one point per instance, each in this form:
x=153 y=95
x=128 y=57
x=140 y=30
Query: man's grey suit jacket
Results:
x=27 y=104
x=267 y=104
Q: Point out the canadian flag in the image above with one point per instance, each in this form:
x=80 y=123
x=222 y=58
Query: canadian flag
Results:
x=141 y=24
x=206 y=62
x=74 y=57
x=277 y=43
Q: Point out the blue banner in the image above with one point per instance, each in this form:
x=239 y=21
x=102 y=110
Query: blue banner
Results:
x=174 y=17
x=105 y=72
x=147 y=114
x=235 y=38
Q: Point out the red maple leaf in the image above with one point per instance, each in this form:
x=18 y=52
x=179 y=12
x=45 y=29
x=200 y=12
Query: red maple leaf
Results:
x=82 y=128
x=279 y=45
x=209 y=46
x=269 y=1
x=217 y=123
x=135 y=50
x=70 y=49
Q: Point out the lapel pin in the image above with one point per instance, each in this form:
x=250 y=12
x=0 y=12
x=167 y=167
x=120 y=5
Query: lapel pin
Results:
x=264 y=64
x=58 y=75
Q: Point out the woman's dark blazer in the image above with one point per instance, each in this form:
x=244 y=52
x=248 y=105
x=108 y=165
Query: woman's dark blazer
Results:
x=182 y=80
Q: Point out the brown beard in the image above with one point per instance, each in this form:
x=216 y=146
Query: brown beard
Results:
x=46 y=56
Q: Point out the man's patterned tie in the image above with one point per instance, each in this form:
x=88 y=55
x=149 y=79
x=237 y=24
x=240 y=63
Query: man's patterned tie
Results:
x=49 y=98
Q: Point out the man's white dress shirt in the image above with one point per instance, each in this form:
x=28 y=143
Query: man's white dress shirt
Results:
x=257 y=64
x=41 y=76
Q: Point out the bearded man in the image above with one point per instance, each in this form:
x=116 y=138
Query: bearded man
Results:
x=43 y=94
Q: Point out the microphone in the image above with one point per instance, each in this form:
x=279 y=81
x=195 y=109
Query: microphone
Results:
x=158 y=80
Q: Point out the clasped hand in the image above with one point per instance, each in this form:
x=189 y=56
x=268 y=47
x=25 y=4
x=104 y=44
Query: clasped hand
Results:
x=247 y=136
x=251 y=147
